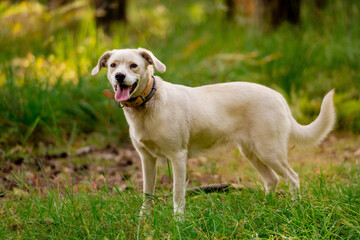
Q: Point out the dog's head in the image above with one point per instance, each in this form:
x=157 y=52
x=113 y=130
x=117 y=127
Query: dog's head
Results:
x=128 y=70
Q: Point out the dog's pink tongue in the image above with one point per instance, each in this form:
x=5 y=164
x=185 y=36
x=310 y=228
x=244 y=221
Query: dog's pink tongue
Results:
x=122 y=94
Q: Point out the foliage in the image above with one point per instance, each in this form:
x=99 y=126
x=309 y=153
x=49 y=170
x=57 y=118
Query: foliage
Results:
x=47 y=93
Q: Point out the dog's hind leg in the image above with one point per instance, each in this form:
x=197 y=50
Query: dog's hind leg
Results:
x=269 y=177
x=276 y=159
x=288 y=174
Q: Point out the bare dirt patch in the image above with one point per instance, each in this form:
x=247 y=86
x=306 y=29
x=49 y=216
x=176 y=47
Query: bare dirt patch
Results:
x=90 y=168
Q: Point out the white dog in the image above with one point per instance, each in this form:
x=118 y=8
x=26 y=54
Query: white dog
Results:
x=177 y=122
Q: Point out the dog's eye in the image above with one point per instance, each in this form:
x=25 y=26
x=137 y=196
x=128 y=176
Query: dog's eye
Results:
x=132 y=66
x=113 y=65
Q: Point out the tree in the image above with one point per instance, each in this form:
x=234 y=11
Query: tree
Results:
x=272 y=12
x=275 y=12
x=109 y=11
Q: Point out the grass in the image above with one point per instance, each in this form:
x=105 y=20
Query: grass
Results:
x=327 y=210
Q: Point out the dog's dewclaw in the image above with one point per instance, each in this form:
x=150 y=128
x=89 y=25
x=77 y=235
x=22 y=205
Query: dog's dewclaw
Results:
x=109 y=94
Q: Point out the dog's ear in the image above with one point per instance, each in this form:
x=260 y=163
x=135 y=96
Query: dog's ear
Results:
x=101 y=63
x=151 y=59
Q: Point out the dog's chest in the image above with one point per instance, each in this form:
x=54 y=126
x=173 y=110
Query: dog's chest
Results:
x=141 y=129
x=149 y=132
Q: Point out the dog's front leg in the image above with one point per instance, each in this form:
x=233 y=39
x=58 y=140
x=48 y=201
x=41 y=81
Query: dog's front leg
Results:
x=178 y=162
x=149 y=176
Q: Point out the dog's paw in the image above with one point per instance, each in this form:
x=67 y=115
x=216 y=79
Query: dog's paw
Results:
x=145 y=210
x=179 y=217
x=179 y=214
x=296 y=197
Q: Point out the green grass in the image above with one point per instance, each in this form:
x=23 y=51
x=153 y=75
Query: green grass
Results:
x=328 y=209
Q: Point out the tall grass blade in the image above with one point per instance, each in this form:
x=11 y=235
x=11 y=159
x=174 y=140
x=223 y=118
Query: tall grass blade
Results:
x=169 y=169
x=30 y=130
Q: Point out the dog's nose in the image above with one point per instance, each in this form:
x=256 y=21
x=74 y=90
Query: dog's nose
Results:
x=120 y=77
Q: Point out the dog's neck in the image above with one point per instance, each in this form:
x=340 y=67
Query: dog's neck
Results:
x=145 y=95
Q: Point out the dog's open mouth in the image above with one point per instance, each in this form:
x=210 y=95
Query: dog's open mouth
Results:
x=122 y=91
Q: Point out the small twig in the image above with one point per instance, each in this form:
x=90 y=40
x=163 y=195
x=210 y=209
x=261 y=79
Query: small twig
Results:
x=222 y=187
x=211 y=188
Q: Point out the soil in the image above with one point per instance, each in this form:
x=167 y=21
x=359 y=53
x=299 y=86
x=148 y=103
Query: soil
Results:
x=90 y=168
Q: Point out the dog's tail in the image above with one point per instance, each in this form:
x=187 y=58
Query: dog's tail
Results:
x=315 y=132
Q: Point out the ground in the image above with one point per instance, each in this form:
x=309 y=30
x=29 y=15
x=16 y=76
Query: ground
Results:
x=90 y=167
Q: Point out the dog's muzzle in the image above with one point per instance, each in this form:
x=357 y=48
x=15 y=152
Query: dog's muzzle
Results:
x=122 y=91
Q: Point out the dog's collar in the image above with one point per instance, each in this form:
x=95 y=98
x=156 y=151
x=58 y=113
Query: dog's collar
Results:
x=144 y=97
x=140 y=100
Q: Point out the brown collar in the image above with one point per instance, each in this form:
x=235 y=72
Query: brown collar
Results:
x=140 y=100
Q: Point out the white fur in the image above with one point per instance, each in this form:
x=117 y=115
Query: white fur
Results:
x=180 y=122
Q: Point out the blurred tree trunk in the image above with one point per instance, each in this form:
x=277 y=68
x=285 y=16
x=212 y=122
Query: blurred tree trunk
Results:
x=109 y=11
x=321 y=4
x=231 y=11
x=275 y=12
x=236 y=7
